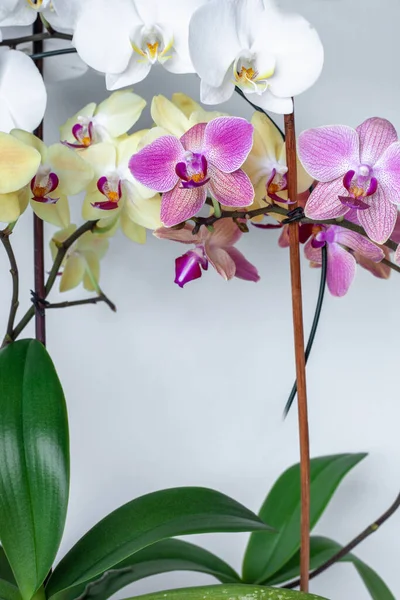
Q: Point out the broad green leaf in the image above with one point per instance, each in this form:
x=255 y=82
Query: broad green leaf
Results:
x=34 y=465
x=162 y=557
x=144 y=521
x=5 y=569
x=323 y=549
x=8 y=591
x=265 y=555
x=229 y=592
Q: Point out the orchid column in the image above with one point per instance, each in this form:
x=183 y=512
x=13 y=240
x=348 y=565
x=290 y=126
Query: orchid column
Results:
x=269 y=57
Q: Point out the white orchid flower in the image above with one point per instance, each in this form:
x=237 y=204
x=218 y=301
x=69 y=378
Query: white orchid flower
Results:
x=250 y=44
x=23 y=94
x=61 y=14
x=146 y=33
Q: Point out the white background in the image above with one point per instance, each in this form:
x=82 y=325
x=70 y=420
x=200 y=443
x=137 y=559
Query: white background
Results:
x=186 y=387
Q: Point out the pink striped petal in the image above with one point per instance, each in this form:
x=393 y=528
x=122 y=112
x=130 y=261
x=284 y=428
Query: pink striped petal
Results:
x=154 y=165
x=387 y=171
x=397 y=255
x=244 y=269
x=329 y=152
x=324 y=202
x=379 y=220
x=395 y=236
x=226 y=233
x=193 y=139
x=222 y=262
x=231 y=189
x=312 y=254
x=184 y=235
x=375 y=135
x=228 y=141
x=180 y=204
x=341 y=270
x=358 y=243
x=377 y=269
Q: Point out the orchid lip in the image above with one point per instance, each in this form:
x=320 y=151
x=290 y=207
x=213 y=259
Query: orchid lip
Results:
x=356 y=203
x=45 y=199
x=188 y=267
x=105 y=205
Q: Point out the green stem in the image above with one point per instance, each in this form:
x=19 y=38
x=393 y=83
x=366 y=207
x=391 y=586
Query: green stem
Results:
x=5 y=240
x=40 y=594
x=100 y=298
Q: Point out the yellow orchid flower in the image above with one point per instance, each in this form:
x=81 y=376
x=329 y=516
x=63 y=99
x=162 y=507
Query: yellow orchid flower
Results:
x=19 y=163
x=115 y=197
x=82 y=261
x=106 y=122
x=61 y=173
x=266 y=165
x=176 y=117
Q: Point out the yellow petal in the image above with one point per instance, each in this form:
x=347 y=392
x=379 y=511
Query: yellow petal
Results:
x=92 y=271
x=73 y=172
x=120 y=111
x=73 y=273
x=304 y=181
x=31 y=140
x=132 y=230
x=185 y=103
x=23 y=198
x=144 y=211
x=59 y=237
x=153 y=134
x=56 y=214
x=270 y=134
x=129 y=146
x=204 y=116
x=258 y=163
x=102 y=158
x=18 y=163
x=9 y=207
x=93 y=242
x=166 y=115
x=66 y=129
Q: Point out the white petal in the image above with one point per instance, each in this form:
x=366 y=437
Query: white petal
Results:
x=215 y=95
x=22 y=91
x=21 y=15
x=6 y=7
x=267 y=101
x=63 y=16
x=134 y=72
x=213 y=40
x=102 y=34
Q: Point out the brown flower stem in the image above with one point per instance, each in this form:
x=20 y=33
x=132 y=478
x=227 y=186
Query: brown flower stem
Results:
x=5 y=240
x=35 y=37
x=291 y=161
x=38 y=227
x=62 y=250
x=351 y=545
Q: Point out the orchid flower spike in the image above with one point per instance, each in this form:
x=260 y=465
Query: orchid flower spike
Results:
x=82 y=260
x=215 y=247
x=205 y=159
x=340 y=242
x=125 y=38
x=269 y=55
x=103 y=123
x=23 y=94
x=358 y=169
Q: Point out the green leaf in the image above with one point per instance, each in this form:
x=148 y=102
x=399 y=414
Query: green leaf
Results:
x=143 y=522
x=265 y=555
x=229 y=592
x=34 y=466
x=323 y=549
x=162 y=557
x=8 y=591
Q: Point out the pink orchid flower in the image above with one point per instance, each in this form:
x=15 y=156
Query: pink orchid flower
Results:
x=357 y=169
x=341 y=263
x=216 y=247
x=207 y=158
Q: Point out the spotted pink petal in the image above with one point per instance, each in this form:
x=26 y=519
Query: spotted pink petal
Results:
x=226 y=233
x=193 y=139
x=312 y=254
x=283 y=241
x=340 y=271
x=231 y=189
x=375 y=135
x=396 y=231
x=324 y=202
x=387 y=171
x=359 y=244
x=329 y=152
x=184 y=235
x=244 y=269
x=377 y=269
x=222 y=262
x=180 y=204
x=379 y=220
x=154 y=165
x=228 y=141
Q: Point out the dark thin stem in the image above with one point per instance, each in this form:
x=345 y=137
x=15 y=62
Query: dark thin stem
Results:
x=258 y=109
x=5 y=240
x=62 y=250
x=314 y=327
x=46 y=54
x=95 y=300
x=351 y=545
x=391 y=265
x=35 y=37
